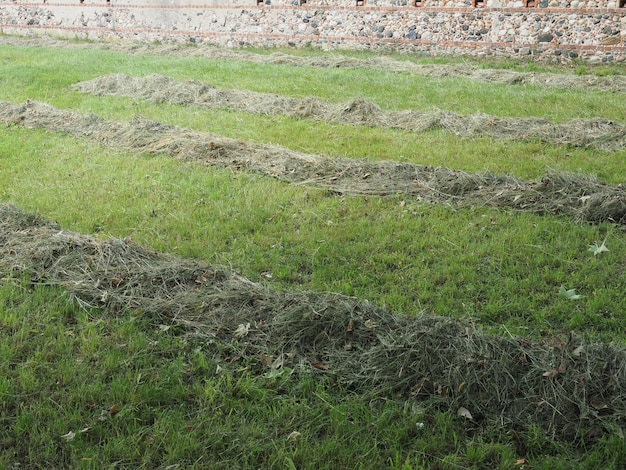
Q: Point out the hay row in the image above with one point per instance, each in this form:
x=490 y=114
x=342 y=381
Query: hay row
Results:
x=615 y=84
x=579 y=197
x=561 y=385
x=601 y=134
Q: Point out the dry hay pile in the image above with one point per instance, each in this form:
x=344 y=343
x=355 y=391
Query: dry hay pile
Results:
x=600 y=134
x=580 y=197
x=564 y=386
x=508 y=77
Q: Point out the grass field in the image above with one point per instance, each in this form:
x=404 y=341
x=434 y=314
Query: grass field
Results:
x=81 y=388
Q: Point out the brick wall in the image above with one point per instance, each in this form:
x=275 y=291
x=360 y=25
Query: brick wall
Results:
x=551 y=30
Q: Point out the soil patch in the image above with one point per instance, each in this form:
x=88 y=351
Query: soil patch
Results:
x=568 y=81
x=562 y=385
x=600 y=134
x=580 y=197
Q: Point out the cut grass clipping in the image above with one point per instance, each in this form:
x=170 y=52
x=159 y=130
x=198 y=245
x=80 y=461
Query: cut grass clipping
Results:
x=571 y=390
x=601 y=134
x=577 y=196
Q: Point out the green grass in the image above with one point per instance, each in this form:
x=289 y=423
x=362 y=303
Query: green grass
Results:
x=64 y=369
x=393 y=91
x=79 y=390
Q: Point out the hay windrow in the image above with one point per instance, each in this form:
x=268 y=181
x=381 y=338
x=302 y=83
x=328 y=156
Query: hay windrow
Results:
x=596 y=133
x=561 y=385
x=580 y=197
x=616 y=84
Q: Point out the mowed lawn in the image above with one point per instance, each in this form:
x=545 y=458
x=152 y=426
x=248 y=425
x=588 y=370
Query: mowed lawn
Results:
x=86 y=389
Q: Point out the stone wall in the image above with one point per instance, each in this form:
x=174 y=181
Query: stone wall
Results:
x=552 y=30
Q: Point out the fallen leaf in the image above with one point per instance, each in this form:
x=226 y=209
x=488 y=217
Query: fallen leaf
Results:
x=265 y=360
x=69 y=436
x=598 y=404
x=520 y=462
x=596 y=250
x=320 y=365
x=273 y=373
x=114 y=410
x=278 y=362
x=551 y=373
x=293 y=436
x=557 y=343
x=569 y=293
x=464 y=412
x=576 y=353
x=242 y=330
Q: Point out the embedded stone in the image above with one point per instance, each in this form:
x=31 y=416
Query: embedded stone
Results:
x=545 y=37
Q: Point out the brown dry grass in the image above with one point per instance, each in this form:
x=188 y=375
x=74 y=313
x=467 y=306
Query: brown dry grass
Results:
x=601 y=134
x=577 y=196
x=560 y=385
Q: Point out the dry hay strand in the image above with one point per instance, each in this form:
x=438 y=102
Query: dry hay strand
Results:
x=580 y=197
x=584 y=196
x=566 y=387
x=155 y=88
x=360 y=111
x=593 y=133
x=615 y=84
x=310 y=108
x=114 y=274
